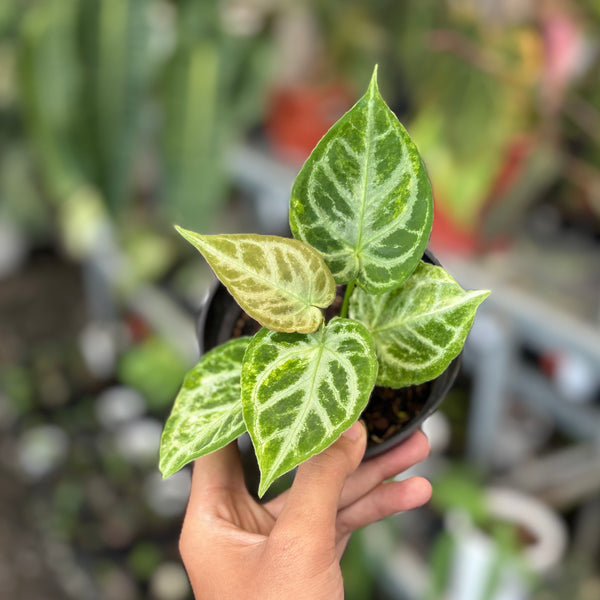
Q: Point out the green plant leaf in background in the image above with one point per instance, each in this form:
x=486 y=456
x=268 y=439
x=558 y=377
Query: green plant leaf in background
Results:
x=195 y=182
x=418 y=328
x=116 y=91
x=280 y=282
x=213 y=89
x=207 y=413
x=49 y=79
x=82 y=72
x=363 y=198
x=155 y=368
x=300 y=392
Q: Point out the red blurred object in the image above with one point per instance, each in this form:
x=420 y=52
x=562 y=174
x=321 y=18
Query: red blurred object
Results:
x=137 y=327
x=300 y=116
x=512 y=167
x=549 y=363
x=447 y=235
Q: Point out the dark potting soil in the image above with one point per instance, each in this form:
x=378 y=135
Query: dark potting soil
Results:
x=388 y=410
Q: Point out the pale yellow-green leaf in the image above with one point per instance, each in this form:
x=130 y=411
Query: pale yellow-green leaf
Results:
x=282 y=283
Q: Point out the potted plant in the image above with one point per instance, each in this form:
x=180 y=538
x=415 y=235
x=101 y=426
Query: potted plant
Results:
x=496 y=543
x=361 y=214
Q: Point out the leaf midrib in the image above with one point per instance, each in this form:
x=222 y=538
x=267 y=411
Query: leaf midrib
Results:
x=299 y=421
x=368 y=158
x=415 y=319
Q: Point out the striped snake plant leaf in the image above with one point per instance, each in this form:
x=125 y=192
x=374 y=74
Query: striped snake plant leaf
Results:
x=207 y=413
x=282 y=283
x=418 y=328
x=300 y=392
x=363 y=198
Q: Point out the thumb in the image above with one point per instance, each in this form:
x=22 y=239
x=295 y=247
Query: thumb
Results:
x=312 y=503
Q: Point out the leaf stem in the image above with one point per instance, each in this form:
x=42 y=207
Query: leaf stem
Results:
x=349 y=290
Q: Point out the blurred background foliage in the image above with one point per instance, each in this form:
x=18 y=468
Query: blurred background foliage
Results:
x=119 y=118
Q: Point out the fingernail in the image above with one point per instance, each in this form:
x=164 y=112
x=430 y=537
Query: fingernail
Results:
x=354 y=432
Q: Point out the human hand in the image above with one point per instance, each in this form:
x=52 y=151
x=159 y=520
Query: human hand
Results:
x=290 y=547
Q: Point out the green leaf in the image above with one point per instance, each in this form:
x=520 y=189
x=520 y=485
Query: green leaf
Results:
x=116 y=38
x=280 y=282
x=363 y=198
x=207 y=413
x=300 y=392
x=195 y=134
x=418 y=328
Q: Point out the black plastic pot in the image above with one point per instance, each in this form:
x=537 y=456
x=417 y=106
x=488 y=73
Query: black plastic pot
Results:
x=217 y=322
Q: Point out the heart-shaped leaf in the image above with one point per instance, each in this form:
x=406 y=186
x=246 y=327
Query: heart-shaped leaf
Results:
x=363 y=198
x=418 y=328
x=300 y=392
x=282 y=283
x=207 y=413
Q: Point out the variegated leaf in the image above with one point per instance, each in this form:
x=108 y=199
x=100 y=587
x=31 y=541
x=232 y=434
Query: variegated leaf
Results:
x=207 y=413
x=300 y=392
x=418 y=328
x=282 y=283
x=363 y=198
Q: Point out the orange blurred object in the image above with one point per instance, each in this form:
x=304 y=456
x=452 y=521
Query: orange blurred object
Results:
x=299 y=116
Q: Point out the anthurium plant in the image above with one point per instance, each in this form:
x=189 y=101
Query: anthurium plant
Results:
x=361 y=214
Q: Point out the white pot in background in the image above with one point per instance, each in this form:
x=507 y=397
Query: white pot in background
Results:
x=475 y=554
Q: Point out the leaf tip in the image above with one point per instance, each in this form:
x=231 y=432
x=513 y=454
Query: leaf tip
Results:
x=373 y=83
x=190 y=236
x=184 y=233
x=165 y=470
x=264 y=485
x=481 y=295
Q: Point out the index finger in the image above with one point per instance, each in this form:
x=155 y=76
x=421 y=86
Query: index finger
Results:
x=372 y=472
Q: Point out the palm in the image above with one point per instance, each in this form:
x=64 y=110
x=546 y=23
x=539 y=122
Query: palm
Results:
x=238 y=508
